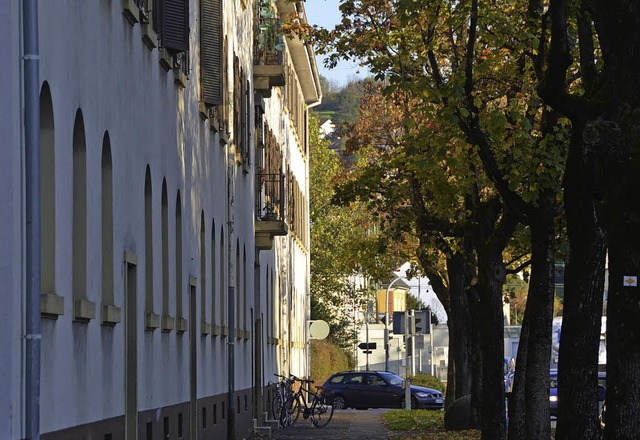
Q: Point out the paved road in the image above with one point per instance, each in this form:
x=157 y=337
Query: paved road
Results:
x=346 y=424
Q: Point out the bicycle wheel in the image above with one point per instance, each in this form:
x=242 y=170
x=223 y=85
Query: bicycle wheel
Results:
x=285 y=412
x=321 y=413
x=276 y=406
x=296 y=409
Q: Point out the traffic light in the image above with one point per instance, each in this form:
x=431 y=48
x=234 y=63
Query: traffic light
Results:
x=421 y=322
x=398 y=323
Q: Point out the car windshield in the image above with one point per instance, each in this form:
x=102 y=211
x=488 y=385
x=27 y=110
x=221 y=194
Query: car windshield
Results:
x=392 y=379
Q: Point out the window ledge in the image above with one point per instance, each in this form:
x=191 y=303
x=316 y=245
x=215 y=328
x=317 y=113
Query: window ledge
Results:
x=151 y=321
x=181 y=325
x=164 y=58
x=180 y=78
x=51 y=305
x=131 y=11
x=111 y=315
x=149 y=36
x=83 y=310
x=168 y=323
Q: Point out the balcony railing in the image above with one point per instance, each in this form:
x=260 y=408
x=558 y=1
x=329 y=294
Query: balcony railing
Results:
x=270 y=197
x=270 y=209
x=268 y=50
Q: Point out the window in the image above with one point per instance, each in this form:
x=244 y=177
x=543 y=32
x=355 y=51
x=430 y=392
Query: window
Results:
x=222 y=289
x=150 y=318
x=83 y=310
x=211 y=51
x=165 y=253
x=110 y=314
x=171 y=23
x=213 y=277
x=204 y=326
x=47 y=191
x=178 y=239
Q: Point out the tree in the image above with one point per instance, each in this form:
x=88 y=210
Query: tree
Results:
x=343 y=244
x=604 y=168
x=476 y=71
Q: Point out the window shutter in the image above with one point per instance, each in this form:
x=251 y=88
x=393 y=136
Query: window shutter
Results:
x=175 y=25
x=211 y=51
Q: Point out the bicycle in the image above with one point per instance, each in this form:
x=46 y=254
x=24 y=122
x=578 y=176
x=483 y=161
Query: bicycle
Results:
x=283 y=389
x=319 y=411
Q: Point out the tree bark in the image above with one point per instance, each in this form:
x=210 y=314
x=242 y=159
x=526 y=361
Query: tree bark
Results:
x=460 y=331
x=492 y=273
x=583 y=297
x=517 y=427
x=529 y=405
x=540 y=308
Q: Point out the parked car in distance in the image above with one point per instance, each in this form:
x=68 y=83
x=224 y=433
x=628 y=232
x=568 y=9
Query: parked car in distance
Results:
x=377 y=389
x=509 y=374
x=553 y=392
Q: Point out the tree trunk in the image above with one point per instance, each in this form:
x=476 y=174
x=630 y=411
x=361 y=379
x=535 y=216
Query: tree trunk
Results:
x=623 y=329
x=529 y=405
x=516 y=420
x=583 y=295
x=491 y=273
x=540 y=309
x=460 y=329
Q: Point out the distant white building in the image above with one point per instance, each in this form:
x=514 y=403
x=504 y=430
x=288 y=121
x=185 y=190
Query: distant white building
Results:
x=327 y=128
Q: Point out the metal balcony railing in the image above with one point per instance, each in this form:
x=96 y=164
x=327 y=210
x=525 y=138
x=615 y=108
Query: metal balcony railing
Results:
x=268 y=41
x=270 y=200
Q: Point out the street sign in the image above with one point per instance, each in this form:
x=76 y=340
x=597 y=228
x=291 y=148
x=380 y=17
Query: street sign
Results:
x=630 y=281
x=318 y=329
x=367 y=352
x=367 y=345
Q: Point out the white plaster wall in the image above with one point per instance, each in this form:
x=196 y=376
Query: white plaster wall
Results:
x=95 y=61
x=11 y=224
x=121 y=88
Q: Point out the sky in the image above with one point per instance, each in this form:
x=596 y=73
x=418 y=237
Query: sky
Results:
x=325 y=13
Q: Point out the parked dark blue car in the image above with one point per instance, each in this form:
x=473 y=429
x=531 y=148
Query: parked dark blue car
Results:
x=377 y=389
x=553 y=391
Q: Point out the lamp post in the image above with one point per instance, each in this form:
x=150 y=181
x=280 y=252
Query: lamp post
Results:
x=386 y=324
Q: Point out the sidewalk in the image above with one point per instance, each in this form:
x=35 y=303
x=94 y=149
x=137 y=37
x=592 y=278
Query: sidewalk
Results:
x=346 y=424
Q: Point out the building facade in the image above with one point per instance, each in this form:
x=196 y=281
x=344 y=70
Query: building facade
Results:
x=174 y=246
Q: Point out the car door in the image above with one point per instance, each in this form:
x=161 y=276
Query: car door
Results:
x=355 y=390
x=380 y=393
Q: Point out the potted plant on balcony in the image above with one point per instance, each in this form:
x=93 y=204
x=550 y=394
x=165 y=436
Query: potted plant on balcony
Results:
x=269 y=211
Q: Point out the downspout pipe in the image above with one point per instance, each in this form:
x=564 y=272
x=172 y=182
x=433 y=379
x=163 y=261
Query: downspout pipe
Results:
x=31 y=66
x=31 y=81
x=231 y=297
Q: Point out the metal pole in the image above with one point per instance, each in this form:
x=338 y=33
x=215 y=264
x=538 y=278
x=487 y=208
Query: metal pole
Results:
x=386 y=325
x=31 y=66
x=433 y=367
x=367 y=351
x=407 y=362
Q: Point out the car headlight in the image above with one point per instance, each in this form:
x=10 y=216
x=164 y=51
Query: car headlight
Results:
x=423 y=395
x=553 y=398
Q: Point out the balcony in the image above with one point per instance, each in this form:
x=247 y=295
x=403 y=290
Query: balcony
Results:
x=268 y=50
x=270 y=209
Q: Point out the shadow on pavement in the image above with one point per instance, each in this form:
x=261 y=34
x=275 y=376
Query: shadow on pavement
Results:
x=346 y=424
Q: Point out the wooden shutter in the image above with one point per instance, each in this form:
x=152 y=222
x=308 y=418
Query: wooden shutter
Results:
x=211 y=51
x=175 y=25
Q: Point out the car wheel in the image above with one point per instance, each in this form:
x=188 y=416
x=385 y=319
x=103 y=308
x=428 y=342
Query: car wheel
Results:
x=414 y=403
x=339 y=402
